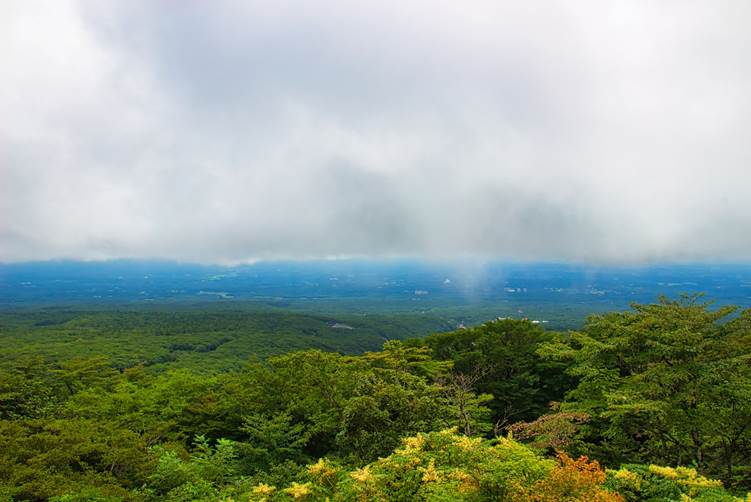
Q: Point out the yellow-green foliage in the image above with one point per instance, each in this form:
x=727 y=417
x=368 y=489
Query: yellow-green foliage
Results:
x=685 y=476
x=448 y=466
x=654 y=482
x=627 y=478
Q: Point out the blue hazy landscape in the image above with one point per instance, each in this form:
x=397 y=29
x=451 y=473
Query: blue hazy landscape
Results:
x=368 y=284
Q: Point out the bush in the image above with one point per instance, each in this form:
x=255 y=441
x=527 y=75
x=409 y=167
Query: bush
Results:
x=448 y=466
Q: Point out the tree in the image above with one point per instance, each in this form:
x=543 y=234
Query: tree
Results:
x=667 y=383
x=504 y=351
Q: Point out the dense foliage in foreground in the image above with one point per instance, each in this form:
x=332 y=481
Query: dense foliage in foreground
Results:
x=429 y=419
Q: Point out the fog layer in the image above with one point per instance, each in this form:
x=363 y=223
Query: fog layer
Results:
x=599 y=131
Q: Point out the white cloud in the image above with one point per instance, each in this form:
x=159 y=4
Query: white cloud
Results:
x=600 y=130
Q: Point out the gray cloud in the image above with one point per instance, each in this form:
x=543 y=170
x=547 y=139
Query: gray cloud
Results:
x=597 y=130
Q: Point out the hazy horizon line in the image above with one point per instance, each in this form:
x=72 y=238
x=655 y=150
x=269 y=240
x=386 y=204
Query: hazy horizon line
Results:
x=455 y=260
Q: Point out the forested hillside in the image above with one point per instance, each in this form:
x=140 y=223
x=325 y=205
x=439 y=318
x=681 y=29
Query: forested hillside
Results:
x=653 y=403
x=200 y=339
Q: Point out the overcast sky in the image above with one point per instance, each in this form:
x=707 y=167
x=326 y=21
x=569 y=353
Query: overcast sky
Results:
x=602 y=131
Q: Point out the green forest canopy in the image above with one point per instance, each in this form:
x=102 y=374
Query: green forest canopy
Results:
x=460 y=415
